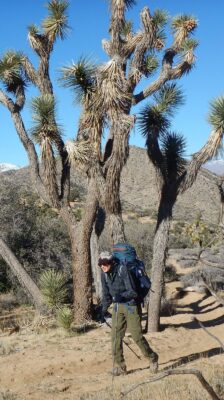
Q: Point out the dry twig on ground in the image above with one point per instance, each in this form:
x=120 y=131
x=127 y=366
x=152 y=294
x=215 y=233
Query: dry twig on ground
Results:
x=162 y=375
x=209 y=333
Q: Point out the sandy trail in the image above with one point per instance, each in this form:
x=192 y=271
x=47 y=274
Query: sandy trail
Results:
x=55 y=366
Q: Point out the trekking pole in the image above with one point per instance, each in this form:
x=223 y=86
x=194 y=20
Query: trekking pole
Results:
x=107 y=323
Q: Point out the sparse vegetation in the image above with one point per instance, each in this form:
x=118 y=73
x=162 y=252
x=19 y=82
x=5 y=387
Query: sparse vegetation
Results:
x=198 y=232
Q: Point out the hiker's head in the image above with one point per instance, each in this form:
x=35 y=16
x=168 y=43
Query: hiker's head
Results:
x=105 y=261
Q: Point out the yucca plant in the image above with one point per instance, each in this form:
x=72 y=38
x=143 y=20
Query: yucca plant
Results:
x=52 y=284
x=65 y=317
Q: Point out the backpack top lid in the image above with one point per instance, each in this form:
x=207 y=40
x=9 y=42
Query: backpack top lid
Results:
x=124 y=252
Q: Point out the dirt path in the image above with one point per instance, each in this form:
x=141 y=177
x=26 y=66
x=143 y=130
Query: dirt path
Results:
x=55 y=366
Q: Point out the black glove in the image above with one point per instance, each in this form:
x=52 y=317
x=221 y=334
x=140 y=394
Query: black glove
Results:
x=118 y=299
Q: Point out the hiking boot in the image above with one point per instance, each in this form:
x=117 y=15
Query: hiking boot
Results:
x=153 y=363
x=119 y=370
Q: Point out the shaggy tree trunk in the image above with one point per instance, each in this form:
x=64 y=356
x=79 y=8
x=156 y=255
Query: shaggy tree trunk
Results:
x=96 y=272
x=94 y=243
x=80 y=234
x=22 y=276
x=160 y=244
x=116 y=227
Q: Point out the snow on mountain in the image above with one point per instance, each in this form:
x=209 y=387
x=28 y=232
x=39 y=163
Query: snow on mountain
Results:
x=7 y=167
x=215 y=166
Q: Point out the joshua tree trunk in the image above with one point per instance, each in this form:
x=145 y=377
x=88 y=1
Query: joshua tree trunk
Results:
x=160 y=244
x=80 y=234
x=116 y=227
x=94 y=245
x=22 y=276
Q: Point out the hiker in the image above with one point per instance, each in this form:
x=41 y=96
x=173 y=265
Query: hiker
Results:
x=118 y=288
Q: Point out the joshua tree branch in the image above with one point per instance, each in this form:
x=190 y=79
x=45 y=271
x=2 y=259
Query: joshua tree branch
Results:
x=27 y=143
x=199 y=158
x=156 y=157
x=168 y=72
x=147 y=41
x=6 y=101
x=23 y=277
x=20 y=98
x=29 y=69
x=132 y=41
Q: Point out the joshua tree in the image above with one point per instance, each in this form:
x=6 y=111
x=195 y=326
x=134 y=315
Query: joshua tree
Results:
x=53 y=186
x=108 y=93
x=166 y=152
x=112 y=91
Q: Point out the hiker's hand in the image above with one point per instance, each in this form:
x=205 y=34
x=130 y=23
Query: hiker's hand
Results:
x=118 y=299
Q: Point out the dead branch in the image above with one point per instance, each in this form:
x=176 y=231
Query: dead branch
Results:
x=209 y=333
x=195 y=372
x=213 y=293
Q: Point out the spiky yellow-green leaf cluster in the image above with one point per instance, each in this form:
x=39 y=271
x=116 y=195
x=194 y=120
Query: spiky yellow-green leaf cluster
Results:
x=56 y=24
x=79 y=77
x=43 y=108
x=216 y=114
x=65 y=317
x=52 y=284
x=11 y=73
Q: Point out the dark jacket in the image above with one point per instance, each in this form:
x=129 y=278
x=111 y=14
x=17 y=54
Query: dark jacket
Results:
x=117 y=282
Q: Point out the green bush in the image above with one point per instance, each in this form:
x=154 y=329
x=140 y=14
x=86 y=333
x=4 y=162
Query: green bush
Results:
x=65 y=317
x=52 y=284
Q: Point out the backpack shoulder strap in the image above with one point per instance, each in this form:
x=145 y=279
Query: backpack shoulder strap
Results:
x=121 y=267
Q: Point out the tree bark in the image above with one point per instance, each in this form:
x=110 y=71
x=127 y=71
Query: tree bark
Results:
x=160 y=244
x=96 y=272
x=24 y=279
x=80 y=234
x=116 y=225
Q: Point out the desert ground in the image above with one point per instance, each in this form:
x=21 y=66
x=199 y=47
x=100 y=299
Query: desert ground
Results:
x=41 y=362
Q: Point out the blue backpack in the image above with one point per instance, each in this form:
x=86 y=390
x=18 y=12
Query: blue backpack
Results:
x=125 y=254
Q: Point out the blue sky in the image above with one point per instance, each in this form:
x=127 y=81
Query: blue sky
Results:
x=89 y=22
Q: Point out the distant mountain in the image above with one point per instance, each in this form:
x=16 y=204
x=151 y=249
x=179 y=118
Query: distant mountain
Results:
x=139 y=189
x=215 y=166
x=8 y=167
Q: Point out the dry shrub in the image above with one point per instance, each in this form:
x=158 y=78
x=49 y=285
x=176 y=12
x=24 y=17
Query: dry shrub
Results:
x=168 y=307
x=6 y=348
x=8 y=395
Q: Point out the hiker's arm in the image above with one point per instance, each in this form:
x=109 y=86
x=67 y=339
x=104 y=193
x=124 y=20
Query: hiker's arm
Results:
x=129 y=293
x=106 y=299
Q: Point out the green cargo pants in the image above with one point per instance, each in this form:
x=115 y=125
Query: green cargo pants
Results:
x=124 y=317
